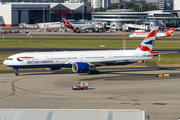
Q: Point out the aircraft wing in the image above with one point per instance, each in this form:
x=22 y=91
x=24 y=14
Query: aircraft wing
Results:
x=110 y=60
x=115 y=60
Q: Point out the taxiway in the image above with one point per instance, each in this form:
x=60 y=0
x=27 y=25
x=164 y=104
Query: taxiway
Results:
x=114 y=88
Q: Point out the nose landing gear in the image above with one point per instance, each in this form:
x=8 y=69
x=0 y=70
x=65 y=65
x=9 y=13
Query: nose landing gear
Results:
x=16 y=72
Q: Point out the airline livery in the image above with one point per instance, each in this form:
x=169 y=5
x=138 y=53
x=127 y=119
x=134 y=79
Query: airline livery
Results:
x=83 y=61
x=33 y=19
x=143 y=34
x=76 y=26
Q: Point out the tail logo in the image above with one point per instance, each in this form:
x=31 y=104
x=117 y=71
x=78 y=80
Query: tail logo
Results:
x=151 y=42
x=148 y=42
x=169 y=33
x=66 y=23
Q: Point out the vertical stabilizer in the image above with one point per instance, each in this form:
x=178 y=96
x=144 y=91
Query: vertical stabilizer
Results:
x=170 y=32
x=33 y=19
x=148 y=42
x=66 y=23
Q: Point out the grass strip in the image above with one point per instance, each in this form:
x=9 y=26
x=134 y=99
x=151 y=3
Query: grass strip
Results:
x=110 y=44
x=106 y=37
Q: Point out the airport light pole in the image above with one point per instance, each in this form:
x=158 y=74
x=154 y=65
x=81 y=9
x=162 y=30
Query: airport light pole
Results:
x=98 y=5
x=60 y=11
x=43 y=11
x=118 y=15
x=82 y=11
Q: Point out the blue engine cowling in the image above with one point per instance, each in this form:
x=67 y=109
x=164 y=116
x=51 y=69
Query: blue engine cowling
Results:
x=80 y=67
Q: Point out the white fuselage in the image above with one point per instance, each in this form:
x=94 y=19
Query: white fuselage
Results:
x=145 y=34
x=82 y=26
x=66 y=58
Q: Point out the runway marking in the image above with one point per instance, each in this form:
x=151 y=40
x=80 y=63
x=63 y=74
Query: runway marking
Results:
x=14 y=86
x=13 y=89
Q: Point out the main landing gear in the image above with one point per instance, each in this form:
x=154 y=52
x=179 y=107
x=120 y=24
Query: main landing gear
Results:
x=16 y=72
x=93 y=70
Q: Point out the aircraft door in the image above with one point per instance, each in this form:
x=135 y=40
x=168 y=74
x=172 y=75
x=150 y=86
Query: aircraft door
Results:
x=109 y=56
x=81 y=57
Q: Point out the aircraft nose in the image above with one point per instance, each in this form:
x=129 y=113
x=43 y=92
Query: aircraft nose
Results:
x=5 y=62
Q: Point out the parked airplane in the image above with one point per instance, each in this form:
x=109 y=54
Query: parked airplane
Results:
x=33 y=19
x=78 y=26
x=143 y=34
x=83 y=61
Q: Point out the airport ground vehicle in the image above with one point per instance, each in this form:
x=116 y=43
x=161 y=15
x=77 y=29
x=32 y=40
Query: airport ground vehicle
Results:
x=80 y=86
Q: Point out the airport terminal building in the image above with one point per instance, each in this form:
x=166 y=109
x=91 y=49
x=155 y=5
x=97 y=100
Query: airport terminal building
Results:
x=117 y=17
x=11 y=14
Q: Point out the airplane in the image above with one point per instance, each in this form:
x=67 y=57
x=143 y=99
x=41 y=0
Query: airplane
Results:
x=56 y=26
x=143 y=34
x=78 y=26
x=33 y=19
x=83 y=61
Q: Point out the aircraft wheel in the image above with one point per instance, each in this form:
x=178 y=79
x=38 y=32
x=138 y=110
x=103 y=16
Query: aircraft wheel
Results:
x=17 y=74
x=90 y=72
x=97 y=72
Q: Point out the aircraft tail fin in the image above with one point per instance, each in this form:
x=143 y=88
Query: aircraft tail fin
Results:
x=148 y=42
x=170 y=32
x=32 y=20
x=65 y=21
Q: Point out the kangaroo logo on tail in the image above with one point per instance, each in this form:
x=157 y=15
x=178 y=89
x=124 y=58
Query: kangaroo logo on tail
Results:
x=33 y=19
x=170 y=32
x=148 y=42
x=66 y=23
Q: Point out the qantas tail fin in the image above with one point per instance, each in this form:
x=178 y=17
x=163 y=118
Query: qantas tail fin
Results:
x=148 y=42
x=32 y=20
x=170 y=32
x=65 y=21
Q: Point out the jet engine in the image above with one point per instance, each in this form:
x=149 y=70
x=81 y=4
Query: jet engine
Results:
x=80 y=67
x=54 y=68
x=95 y=30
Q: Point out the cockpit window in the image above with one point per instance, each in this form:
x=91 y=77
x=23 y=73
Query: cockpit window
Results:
x=9 y=59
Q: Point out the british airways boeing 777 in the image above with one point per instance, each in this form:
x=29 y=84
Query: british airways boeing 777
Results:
x=83 y=61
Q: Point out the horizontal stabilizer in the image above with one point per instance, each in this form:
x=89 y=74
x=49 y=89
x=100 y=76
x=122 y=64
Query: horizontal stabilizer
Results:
x=159 y=53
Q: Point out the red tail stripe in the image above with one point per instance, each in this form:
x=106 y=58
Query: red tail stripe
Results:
x=144 y=48
x=154 y=52
x=152 y=34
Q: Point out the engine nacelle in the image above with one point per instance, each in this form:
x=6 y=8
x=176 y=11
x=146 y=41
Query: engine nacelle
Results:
x=80 y=67
x=54 y=68
x=95 y=30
